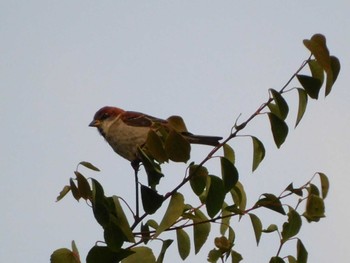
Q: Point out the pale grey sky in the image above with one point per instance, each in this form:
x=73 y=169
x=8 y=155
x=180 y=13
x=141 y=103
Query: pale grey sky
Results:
x=208 y=61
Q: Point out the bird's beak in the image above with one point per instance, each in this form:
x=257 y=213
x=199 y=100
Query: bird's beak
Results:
x=95 y=123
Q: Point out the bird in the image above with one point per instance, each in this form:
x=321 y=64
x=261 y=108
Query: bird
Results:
x=126 y=131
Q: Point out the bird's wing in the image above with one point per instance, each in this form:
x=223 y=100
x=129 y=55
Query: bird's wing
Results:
x=138 y=119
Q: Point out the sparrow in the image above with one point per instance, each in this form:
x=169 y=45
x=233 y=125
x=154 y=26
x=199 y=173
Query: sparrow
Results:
x=126 y=131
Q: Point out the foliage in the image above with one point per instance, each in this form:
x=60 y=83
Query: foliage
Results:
x=221 y=197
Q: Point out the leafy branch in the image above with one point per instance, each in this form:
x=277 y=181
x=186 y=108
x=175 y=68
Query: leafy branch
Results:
x=212 y=191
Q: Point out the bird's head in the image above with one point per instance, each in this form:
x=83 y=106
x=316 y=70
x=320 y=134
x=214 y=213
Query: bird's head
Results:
x=105 y=117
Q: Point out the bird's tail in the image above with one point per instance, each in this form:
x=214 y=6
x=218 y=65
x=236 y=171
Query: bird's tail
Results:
x=202 y=139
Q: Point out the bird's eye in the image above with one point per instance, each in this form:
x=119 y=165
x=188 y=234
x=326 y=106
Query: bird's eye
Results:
x=104 y=116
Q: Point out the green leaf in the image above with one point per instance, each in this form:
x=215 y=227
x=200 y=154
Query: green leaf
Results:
x=279 y=129
x=225 y=220
x=270 y=201
x=74 y=189
x=89 y=166
x=301 y=252
x=280 y=107
x=239 y=196
x=229 y=174
x=292 y=226
x=173 y=212
x=324 y=184
x=200 y=230
x=83 y=186
x=64 y=255
x=292 y=259
x=165 y=246
x=63 y=193
x=314 y=208
x=316 y=70
x=104 y=254
x=296 y=191
x=113 y=236
x=152 y=223
x=216 y=196
x=257 y=226
x=236 y=257
x=229 y=153
x=153 y=170
x=198 y=177
x=183 y=243
x=258 y=152
x=302 y=105
x=99 y=204
x=142 y=254
x=122 y=220
x=177 y=147
x=151 y=200
x=177 y=123
x=155 y=147
x=276 y=260
x=333 y=74
x=271 y=228
x=311 y=85
x=214 y=255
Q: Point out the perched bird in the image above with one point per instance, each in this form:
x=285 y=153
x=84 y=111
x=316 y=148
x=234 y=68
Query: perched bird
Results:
x=125 y=131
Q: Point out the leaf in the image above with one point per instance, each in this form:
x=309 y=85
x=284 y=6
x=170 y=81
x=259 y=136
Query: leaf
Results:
x=104 y=254
x=301 y=252
x=225 y=220
x=257 y=226
x=276 y=260
x=177 y=123
x=198 y=177
x=151 y=200
x=146 y=236
x=279 y=129
x=113 y=236
x=153 y=169
x=258 y=152
x=229 y=174
x=302 y=105
x=239 y=196
x=63 y=255
x=280 y=108
x=296 y=191
x=152 y=223
x=165 y=246
x=214 y=255
x=317 y=46
x=311 y=85
x=292 y=226
x=291 y=259
x=229 y=153
x=236 y=257
x=99 y=204
x=155 y=147
x=177 y=147
x=173 y=212
x=122 y=220
x=90 y=166
x=270 y=201
x=316 y=70
x=332 y=77
x=314 y=208
x=141 y=254
x=183 y=243
x=74 y=189
x=83 y=186
x=200 y=230
x=216 y=196
x=271 y=228
x=63 y=193
x=324 y=184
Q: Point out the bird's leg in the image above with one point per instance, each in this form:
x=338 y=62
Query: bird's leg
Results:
x=136 y=165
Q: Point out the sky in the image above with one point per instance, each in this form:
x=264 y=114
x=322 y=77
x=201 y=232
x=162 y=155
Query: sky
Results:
x=208 y=61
